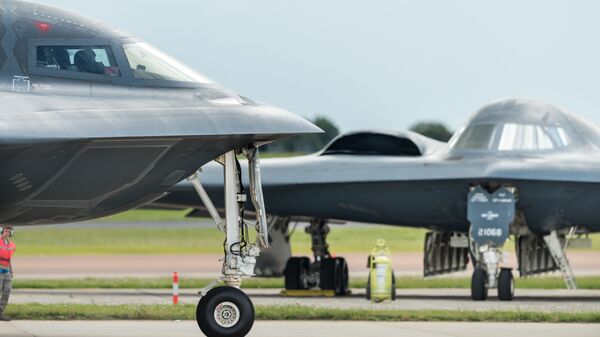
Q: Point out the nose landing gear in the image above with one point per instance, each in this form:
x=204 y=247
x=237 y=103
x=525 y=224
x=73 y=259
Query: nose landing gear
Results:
x=490 y=215
x=227 y=311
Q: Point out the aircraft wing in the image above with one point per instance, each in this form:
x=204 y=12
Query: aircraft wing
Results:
x=423 y=191
x=70 y=158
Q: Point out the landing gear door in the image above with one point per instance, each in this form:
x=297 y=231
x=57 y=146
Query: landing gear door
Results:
x=490 y=215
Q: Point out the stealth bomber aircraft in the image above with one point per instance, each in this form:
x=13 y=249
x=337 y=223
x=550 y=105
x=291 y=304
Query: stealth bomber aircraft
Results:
x=94 y=121
x=519 y=167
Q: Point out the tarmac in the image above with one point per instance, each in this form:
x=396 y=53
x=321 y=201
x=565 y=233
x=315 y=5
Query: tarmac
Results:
x=408 y=299
x=297 y=329
x=208 y=266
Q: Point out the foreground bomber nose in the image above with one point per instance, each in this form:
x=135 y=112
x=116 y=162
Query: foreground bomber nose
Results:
x=271 y=123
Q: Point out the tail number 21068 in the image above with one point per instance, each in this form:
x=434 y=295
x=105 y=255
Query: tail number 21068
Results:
x=490 y=232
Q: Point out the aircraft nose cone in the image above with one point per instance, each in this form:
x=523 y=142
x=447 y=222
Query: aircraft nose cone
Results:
x=272 y=123
x=295 y=123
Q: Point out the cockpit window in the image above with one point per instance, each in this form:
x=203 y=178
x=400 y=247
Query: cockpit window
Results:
x=520 y=137
x=512 y=137
x=476 y=137
x=148 y=63
x=84 y=59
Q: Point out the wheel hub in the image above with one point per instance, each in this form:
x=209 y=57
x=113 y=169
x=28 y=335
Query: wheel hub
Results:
x=227 y=314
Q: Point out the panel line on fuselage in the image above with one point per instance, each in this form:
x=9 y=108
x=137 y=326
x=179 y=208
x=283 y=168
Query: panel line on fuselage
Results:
x=10 y=68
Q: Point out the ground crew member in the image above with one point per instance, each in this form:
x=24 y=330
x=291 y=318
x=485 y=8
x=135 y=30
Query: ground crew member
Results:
x=7 y=249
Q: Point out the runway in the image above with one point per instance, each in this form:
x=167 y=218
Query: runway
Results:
x=297 y=329
x=408 y=299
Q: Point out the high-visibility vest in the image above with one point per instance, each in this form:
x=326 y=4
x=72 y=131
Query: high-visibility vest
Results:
x=6 y=253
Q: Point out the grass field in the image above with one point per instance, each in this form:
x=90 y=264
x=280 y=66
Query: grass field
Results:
x=147 y=215
x=405 y=282
x=187 y=312
x=106 y=241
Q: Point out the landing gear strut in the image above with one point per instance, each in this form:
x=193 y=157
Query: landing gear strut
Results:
x=325 y=272
x=227 y=311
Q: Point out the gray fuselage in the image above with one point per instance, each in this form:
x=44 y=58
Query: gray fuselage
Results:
x=557 y=183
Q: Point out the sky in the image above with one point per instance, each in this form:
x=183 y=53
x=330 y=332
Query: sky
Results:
x=382 y=64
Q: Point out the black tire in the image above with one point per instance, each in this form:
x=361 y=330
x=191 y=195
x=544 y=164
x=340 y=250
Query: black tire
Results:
x=234 y=308
x=393 y=286
x=331 y=275
x=369 y=288
x=479 y=289
x=506 y=285
x=295 y=270
x=345 y=277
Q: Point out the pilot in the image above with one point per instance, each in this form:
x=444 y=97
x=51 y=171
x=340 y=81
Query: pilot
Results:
x=85 y=60
x=7 y=249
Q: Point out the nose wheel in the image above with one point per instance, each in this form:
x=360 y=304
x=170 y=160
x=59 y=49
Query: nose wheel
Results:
x=506 y=285
x=479 y=288
x=225 y=312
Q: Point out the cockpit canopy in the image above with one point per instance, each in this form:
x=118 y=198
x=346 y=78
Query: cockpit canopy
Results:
x=60 y=44
x=522 y=125
x=143 y=61
x=513 y=137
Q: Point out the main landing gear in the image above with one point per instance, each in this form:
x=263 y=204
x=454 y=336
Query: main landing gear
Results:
x=326 y=272
x=227 y=311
